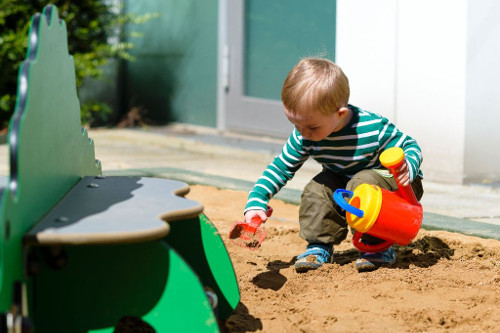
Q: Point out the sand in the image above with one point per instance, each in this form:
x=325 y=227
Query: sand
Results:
x=443 y=282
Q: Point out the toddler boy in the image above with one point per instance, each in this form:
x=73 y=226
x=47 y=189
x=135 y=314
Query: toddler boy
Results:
x=347 y=141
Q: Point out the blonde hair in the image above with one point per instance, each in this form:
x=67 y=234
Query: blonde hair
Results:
x=315 y=84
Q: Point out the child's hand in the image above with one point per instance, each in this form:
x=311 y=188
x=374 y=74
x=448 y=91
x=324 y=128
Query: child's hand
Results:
x=403 y=175
x=256 y=212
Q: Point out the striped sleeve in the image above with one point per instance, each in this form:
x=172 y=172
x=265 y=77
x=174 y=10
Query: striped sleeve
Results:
x=278 y=172
x=390 y=136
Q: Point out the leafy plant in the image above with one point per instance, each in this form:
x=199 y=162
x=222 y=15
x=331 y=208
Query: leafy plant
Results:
x=95 y=35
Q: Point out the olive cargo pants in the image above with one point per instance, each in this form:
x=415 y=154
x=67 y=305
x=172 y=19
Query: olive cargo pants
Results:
x=322 y=220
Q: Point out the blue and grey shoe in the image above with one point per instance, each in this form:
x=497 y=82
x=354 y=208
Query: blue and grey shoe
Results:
x=372 y=261
x=314 y=257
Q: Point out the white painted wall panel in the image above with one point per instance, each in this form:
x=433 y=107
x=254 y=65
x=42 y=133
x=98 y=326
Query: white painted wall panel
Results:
x=431 y=83
x=366 y=51
x=407 y=61
x=482 y=133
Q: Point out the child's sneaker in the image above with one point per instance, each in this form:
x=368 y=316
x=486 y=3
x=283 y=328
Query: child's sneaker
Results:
x=372 y=261
x=314 y=257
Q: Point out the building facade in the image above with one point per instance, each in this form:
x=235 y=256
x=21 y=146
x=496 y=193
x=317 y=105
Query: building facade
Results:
x=429 y=66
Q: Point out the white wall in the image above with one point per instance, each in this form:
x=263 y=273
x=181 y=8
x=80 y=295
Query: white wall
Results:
x=366 y=51
x=431 y=83
x=423 y=75
x=482 y=137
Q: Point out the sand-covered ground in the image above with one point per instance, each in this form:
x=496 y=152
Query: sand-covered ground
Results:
x=443 y=282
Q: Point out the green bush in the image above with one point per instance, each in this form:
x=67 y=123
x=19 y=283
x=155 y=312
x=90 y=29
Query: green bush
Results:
x=91 y=25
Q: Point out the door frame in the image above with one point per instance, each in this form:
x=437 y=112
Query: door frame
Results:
x=235 y=111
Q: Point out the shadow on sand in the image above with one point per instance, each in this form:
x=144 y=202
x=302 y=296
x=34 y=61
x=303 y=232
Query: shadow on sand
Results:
x=424 y=252
x=241 y=321
x=272 y=279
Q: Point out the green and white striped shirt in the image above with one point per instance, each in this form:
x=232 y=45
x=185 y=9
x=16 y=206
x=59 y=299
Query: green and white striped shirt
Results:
x=354 y=148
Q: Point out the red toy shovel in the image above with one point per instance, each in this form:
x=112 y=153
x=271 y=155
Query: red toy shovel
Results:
x=249 y=235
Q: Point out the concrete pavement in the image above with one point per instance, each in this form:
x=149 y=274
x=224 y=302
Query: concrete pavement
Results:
x=199 y=155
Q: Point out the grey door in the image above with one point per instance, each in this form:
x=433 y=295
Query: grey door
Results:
x=266 y=39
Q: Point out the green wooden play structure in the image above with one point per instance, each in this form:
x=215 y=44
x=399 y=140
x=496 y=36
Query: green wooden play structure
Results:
x=80 y=252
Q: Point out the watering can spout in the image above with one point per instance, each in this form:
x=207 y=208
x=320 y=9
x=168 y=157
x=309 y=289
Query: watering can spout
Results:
x=392 y=159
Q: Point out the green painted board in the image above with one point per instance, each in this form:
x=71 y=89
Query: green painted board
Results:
x=199 y=243
x=101 y=284
x=49 y=151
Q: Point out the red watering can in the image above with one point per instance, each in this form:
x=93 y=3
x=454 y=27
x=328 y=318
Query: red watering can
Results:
x=395 y=217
